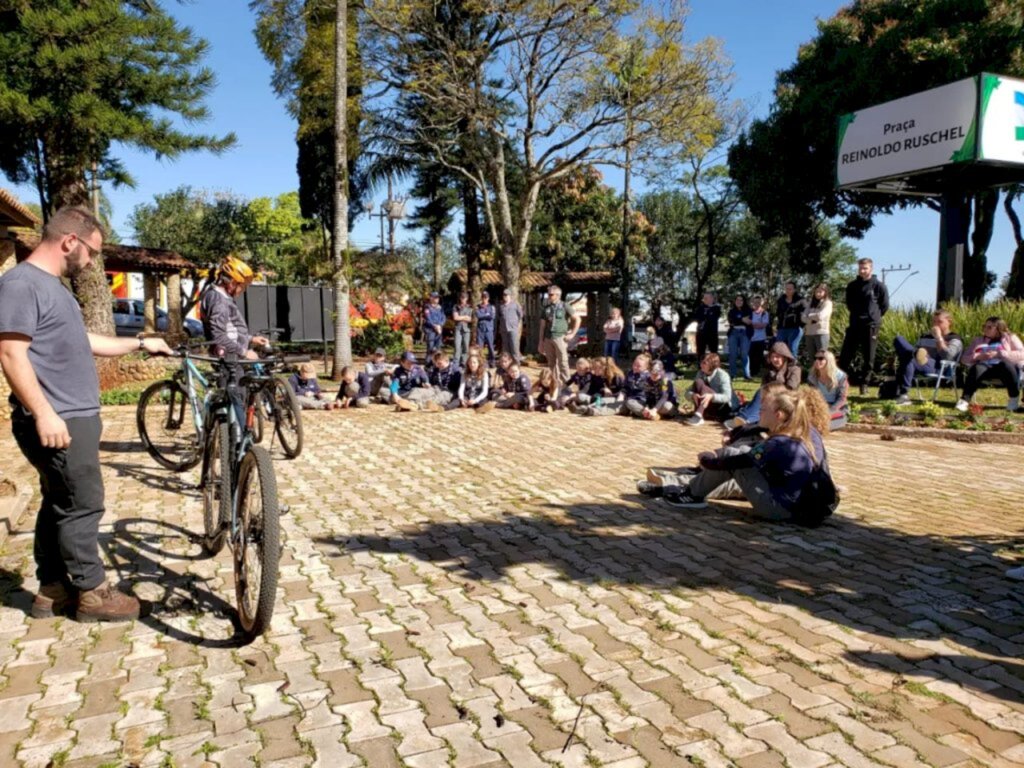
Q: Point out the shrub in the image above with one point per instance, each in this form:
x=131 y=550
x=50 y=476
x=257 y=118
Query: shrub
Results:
x=377 y=333
x=911 y=323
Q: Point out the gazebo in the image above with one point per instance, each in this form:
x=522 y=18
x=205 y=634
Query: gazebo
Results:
x=594 y=286
x=13 y=216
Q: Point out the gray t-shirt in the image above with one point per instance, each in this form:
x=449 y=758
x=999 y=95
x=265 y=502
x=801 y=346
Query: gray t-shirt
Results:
x=36 y=304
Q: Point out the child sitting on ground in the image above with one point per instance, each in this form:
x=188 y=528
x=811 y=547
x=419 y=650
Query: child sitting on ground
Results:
x=380 y=376
x=307 y=389
x=500 y=379
x=661 y=401
x=444 y=378
x=354 y=391
x=711 y=392
x=544 y=394
x=581 y=380
x=517 y=390
x=473 y=388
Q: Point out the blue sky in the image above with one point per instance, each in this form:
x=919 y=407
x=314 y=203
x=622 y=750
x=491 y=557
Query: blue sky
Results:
x=760 y=38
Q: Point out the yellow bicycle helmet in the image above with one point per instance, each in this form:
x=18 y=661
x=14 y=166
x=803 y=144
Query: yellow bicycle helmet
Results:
x=235 y=269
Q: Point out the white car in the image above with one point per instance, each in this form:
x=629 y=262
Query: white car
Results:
x=130 y=319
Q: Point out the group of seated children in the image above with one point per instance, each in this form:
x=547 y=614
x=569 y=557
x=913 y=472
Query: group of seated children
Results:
x=597 y=388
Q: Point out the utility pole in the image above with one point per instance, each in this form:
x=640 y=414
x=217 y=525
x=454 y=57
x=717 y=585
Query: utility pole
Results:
x=898 y=268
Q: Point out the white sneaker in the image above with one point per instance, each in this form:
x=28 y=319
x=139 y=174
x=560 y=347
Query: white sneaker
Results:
x=695 y=421
x=1017 y=574
x=1013 y=404
x=961 y=405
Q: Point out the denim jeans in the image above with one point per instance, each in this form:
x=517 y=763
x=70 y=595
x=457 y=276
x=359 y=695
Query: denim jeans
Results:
x=906 y=366
x=611 y=348
x=751 y=412
x=461 y=344
x=791 y=337
x=739 y=352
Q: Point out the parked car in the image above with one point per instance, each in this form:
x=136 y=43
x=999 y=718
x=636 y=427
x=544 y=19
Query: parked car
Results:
x=580 y=338
x=130 y=319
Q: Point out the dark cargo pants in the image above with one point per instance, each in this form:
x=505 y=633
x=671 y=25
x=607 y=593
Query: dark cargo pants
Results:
x=67 y=525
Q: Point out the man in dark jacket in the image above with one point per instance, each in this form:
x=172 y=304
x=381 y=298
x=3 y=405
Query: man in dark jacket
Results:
x=867 y=299
x=707 y=315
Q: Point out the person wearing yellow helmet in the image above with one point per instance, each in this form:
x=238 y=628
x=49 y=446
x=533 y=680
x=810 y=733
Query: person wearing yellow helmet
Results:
x=223 y=323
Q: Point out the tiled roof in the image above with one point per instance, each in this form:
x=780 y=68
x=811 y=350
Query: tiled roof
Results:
x=533 y=281
x=119 y=258
x=13 y=212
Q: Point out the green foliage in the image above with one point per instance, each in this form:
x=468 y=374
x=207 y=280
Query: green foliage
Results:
x=79 y=78
x=913 y=323
x=378 y=334
x=204 y=227
x=929 y=412
x=127 y=394
x=297 y=38
x=870 y=52
x=578 y=225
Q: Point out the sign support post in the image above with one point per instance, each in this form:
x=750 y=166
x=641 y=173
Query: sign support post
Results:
x=952 y=247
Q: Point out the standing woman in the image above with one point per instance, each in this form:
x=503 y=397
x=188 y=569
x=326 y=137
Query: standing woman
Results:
x=760 y=324
x=817 y=316
x=788 y=311
x=613 y=333
x=739 y=337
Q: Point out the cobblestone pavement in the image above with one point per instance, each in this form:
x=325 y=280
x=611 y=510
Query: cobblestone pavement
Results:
x=472 y=590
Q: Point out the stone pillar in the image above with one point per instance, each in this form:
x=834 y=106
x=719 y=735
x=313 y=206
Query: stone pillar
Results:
x=150 y=286
x=175 y=328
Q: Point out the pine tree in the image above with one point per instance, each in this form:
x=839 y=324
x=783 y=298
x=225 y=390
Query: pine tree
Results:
x=76 y=79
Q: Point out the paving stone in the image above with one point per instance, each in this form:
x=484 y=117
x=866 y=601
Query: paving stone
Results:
x=435 y=603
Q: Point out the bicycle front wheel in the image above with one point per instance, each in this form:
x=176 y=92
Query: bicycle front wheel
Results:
x=166 y=426
x=288 y=414
x=216 y=485
x=258 y=542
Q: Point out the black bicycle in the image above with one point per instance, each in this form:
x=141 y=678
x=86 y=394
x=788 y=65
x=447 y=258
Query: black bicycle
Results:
x=239 y=488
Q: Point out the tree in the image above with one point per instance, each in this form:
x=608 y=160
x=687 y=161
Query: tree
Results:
x=297 y=37
x=1015 y=280
x=78 y=79
x=578 y=225
x=530 y=74
x=339 y=230
x=870 y=52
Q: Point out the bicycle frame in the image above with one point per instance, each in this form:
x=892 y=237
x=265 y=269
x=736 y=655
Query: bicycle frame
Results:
x=187 y=376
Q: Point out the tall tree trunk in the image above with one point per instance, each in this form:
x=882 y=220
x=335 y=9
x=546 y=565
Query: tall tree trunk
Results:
x=471 y=242
x=627 y=222
x=976 y=276
x=436 y=238
x=339 y=239
x=1015 y=282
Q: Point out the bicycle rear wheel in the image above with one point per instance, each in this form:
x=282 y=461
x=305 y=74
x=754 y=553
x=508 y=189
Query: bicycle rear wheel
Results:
x=288 y=414
x=216 y=485
x=258 y=544
x=166 y=427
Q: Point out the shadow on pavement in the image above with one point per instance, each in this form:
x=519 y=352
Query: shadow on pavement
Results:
x=141 y=552
x=864 y=577
x=158 y=478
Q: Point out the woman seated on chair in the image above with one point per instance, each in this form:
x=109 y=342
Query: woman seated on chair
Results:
x=996 y=354
x=927 y=356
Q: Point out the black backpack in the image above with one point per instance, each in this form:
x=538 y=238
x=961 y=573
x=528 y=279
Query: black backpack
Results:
x=818 y=499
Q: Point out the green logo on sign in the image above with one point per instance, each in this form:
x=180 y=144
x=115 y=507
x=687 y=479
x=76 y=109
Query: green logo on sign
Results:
x=1018 y=99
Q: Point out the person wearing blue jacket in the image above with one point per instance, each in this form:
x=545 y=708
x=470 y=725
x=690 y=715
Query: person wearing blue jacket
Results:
x=355 y=390
x=444 y=378
x=785 y=477
x=433 y=323
x=485 y=327
x=307 y=389
x=410 y=387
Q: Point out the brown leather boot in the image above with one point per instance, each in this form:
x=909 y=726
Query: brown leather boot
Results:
x=105 y=603
x=53 y=600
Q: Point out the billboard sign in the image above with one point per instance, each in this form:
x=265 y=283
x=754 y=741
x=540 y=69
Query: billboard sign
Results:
x=916 y=133
x=1002 y=119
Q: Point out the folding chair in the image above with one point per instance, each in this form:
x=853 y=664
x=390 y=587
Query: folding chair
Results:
x=945 y=373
